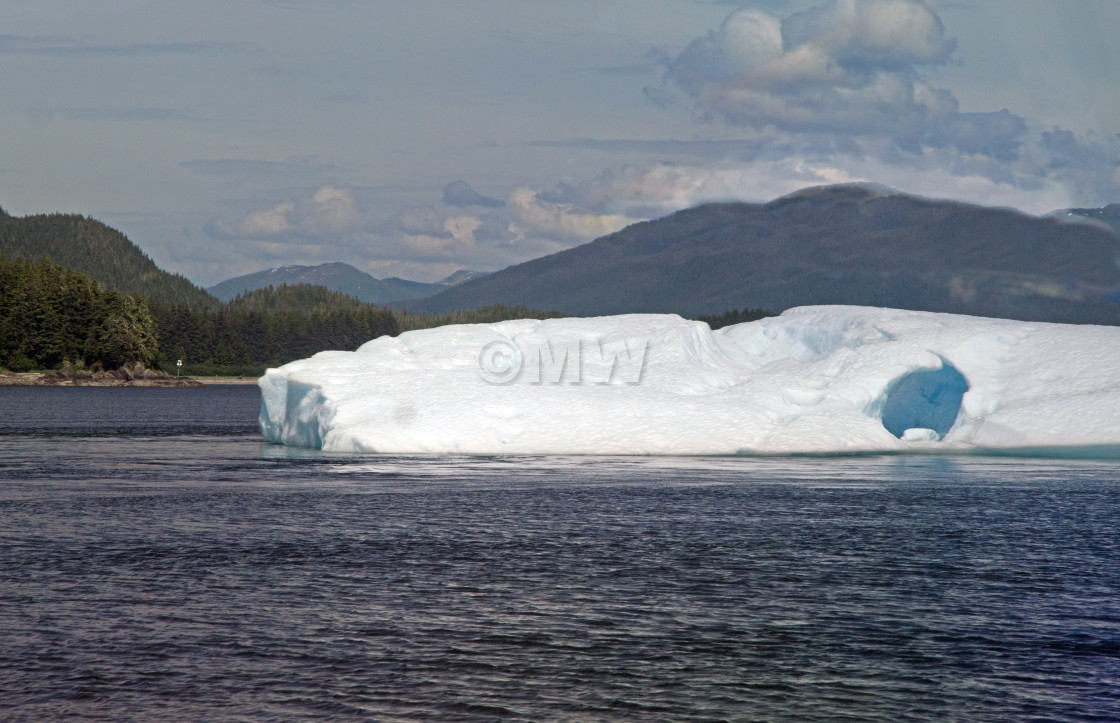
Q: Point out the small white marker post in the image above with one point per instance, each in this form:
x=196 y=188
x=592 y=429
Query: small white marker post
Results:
x=178 y=366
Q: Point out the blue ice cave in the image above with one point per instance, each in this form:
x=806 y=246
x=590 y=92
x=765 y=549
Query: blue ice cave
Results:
x=927 y=399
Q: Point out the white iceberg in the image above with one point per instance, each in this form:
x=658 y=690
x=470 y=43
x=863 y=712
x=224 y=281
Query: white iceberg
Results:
x=825 y=379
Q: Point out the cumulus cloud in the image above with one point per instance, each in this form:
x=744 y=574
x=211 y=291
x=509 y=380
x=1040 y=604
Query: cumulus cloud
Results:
x=847 y=67
x=423 y=233
x=261 y=223
x=330 y=220
x=1089 y=165
x=327 y=211
x=871 y=33
x=850 y=73
x=332 y=210
x=532 y=214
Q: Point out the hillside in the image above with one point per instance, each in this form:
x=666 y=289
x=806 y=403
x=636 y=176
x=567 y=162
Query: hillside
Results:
x=274 y=325
x=340 y=277
x=90 y=247
x=50 y=315
x=462 y=276
x=834 y=245
x=1107 y=217
x=267 y=327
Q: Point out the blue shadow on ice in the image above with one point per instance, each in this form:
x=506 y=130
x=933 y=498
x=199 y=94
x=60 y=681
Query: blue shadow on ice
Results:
x=929 y=399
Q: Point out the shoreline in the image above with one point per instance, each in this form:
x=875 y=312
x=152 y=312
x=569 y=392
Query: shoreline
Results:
x=225 y=380
x=40 y=379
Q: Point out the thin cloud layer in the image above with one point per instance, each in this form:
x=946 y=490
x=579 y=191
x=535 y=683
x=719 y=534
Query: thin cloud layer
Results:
x=72 y=47
x=254 y=168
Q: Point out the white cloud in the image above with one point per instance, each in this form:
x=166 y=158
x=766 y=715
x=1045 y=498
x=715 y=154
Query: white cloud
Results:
x=332 y=210
x=329 y=211
x=848 y=74
x=264 y=223
x=429 y=236
x=871 y=33
x=848 y=67
x=462 y=228
x=533 y=215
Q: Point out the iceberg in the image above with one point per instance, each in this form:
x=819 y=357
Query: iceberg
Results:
x=815 y=380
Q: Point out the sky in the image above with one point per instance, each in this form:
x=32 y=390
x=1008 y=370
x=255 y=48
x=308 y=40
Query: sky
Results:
x=413 y=138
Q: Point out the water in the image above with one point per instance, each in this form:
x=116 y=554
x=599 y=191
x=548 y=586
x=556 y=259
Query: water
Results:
x=157 y=561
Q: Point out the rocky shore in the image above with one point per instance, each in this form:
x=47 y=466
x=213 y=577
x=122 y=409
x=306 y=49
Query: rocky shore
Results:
x=129 y=375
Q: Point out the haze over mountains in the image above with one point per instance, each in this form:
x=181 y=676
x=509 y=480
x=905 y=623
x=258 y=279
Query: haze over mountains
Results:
x=340 y=277
x=831 y=245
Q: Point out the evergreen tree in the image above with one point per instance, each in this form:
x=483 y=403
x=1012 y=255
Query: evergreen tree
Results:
x=50 y=315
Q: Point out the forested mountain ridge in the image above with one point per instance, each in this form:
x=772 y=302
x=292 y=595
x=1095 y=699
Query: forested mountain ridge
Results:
x=62 y=300
x=831 y=245
x=88 y=246
x=50 y=315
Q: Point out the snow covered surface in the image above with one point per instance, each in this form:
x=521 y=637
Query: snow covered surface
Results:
x=825 y=379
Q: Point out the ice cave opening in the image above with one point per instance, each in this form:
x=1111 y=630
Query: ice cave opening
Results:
x=924 y=400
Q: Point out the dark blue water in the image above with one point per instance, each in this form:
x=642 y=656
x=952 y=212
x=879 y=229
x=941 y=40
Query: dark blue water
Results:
x=157 y=561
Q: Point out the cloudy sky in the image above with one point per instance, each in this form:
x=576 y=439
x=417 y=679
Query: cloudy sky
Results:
x=415 y=137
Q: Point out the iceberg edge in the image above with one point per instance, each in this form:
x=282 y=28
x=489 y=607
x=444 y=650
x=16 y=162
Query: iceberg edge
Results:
x=814 y=380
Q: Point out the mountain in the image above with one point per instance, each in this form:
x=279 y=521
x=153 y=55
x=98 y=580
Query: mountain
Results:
x=462 y=276
x=831 y=245
x=335 y=276
x=341 y=277
x=1107 y=217
x=90 y=247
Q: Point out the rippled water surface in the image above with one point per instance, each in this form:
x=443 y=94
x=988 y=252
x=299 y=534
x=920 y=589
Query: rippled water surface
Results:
x=157 y=561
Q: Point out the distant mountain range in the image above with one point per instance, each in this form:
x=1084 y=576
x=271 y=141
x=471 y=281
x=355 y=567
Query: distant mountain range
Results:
x=831 y=245
x=339 y=277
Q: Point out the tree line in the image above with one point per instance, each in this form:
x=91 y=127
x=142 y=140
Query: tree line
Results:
x=89 y=246
x=272 y=326
x=734 y=316
x=50 y=315
x=266 y=327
